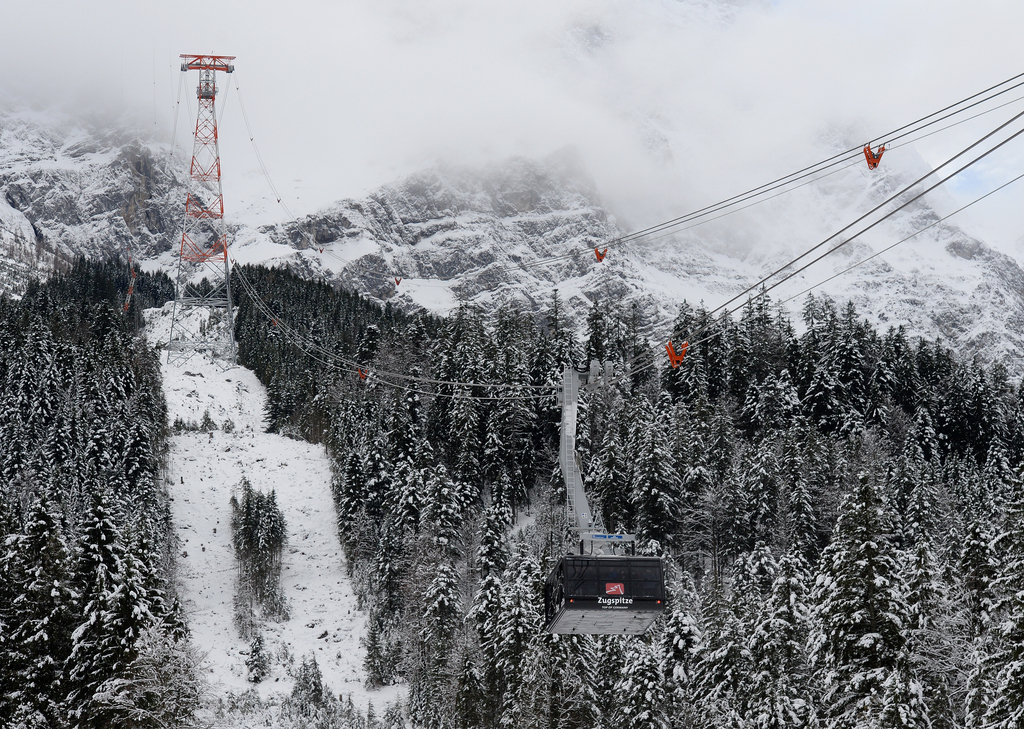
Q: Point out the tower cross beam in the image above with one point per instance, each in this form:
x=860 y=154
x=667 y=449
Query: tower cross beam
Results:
x=194 y=62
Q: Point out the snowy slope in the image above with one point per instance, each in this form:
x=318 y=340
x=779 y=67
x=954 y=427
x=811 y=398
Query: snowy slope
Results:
x=202 y=472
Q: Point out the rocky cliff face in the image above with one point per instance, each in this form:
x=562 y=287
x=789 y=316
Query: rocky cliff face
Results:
x=81 y=188
x=460 y=235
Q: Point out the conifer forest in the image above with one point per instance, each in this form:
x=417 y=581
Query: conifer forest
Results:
x=840 y=511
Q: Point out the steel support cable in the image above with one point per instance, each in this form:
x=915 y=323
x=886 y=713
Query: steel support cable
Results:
x=872 y=256
x=902 y=240
x=853 y=153
x=764 y=291
x=703 y=212
x=332 y=361
x=459 y=396
x=835 y=159
x=381 y=376
x=330 y=358
x=350 y=363
x=887 y=201
x=698 y=220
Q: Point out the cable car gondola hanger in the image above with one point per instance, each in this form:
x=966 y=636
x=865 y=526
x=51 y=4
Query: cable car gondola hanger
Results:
x=601 y=593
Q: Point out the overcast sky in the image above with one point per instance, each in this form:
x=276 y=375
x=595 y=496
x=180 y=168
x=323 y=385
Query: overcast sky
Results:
x=672 y=104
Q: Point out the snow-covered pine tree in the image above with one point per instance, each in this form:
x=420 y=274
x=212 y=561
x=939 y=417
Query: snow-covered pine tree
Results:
x=471 y=699
x=679 y=646
x=115 y=614
x=761 y=484
x=933 y=660
x=655 y=484
x=492 y=559
x=558 y=685
x=1005 y=709
x=598 y=344
x=517 y=627
x=782 y=689
x=641 y=690
x=610 y=483
x=978 y=565
x=466 y=429
x=724 y=663
x=860 y=623
x=45 y=611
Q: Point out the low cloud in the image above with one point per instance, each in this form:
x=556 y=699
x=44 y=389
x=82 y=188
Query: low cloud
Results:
x=672 y=104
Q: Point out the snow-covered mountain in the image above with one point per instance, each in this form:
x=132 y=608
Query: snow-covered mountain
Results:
x=517 y=230
x=78 y=186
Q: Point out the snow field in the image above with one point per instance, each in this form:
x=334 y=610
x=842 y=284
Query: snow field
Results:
x=202 y=473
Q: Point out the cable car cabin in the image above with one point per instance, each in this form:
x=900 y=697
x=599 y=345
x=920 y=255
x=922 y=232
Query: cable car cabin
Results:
x=604 y=595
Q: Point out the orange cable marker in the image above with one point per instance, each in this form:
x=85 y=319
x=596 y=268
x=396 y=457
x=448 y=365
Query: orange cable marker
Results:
x=873 y=158
x=676 y=359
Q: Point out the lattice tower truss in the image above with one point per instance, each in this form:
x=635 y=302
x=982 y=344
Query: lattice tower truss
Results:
x=203 y=318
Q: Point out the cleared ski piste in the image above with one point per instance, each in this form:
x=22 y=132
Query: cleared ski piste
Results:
x=202 y=473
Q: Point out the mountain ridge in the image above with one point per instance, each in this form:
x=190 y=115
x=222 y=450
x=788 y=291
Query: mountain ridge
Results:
x=516 y=230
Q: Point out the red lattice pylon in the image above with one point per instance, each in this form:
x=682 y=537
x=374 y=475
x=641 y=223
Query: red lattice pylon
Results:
x=204 y=204
x=204 y=235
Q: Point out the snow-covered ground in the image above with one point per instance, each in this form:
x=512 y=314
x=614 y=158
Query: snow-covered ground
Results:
x=203 y=471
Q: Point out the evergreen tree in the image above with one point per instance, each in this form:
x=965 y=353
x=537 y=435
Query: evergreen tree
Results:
x=517 y=627
x=860 y=621
x=45 y=610
x=979 y=568
x=782 y=688
x=679 y=646
x=641 y=690
x=654 y=485
x=1006 y=708
x=725 y=665
x=116 y=613
x=258 y=661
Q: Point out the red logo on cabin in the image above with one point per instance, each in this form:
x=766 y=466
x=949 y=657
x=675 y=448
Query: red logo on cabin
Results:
x=614 y=588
